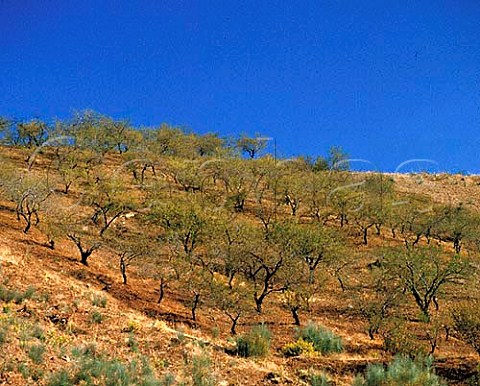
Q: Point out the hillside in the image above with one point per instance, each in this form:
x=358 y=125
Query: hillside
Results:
x=209 y=242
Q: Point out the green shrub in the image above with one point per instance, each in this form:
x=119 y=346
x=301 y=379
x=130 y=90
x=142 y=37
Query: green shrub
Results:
x=202 y=371
x=167 y=380
x=398 y=339
x=38 y=333
x=402 y=371
x=24 y=370
x=15 y=296
x=96 y=317
x=297 y=348
x=132 y=342
x=255 y=343
x=92 y=368
x=3 y=335
x=35 y=353
x=319 y=380
x=99 y=301
x=61 y=378
x=323 y=340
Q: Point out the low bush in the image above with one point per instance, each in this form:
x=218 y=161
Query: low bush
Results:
x=36 y=352
x=402 y=371
x=15 y=296
x=298 y=348
x=3 y=334
x=99 y=301
x=96 y=317
x=319 y=380
x=324 y=341
x=95 y=369
x=398 y=339
x=255 y=343
x=202 y=371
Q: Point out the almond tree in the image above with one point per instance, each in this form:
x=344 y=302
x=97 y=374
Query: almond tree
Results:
x=424 y=272
x=309 y=250
x=374 y=204
x=29 y=195
x=454 y=224
x=233 y=299
x=251 y=146
x=109 y=198
x=73 y=222
x=263 y=265
x=237 y=183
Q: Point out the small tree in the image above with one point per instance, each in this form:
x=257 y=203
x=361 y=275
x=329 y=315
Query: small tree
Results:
x=337 y=159
x=84 y=247
x=308 y=251
x=424 y=272
x=184 y=225
x=130 y=249
x=76 y=226
x=29 y=195
x=233 y=299
x=263 y=265
x=251 y=146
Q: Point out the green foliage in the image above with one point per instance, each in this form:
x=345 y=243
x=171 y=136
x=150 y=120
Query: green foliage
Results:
x=251 y=146
x=96 y=317
x=15 y=296
x=324 y=341
x=60 y=378
x=402 y=371
x=202 y=370
x=319 y=380
x=298 y=348
x=36 y=352
x=337 y=159
x=3 y=334
x=94 y=369
x=424 y=271
x=99 y=301
x=255 y=343
x=132 y=342
x=38 y=333
x=398 y=338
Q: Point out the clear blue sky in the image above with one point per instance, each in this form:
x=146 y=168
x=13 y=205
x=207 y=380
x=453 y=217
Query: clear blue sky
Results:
x=386 y=80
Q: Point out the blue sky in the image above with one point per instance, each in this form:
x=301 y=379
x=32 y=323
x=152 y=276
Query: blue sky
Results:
x=386 y=80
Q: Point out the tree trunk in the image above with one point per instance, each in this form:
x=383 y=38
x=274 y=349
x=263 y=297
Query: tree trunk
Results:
x=123 y=270
x=259 y=302
x=295 y=315
x=196 y=300
x=365 y=236
x=84 y=257
x=161 y=291
x=233 y=327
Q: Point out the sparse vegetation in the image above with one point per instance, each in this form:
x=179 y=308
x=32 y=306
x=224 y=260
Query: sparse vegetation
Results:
x=402 y=371
x=324 y=341
x=298 y=348
x=96 y=317
x=13 y=295
x=255 y=343
x=201 y=368
x=36 y=352
x=319 y=380
x=202 y=235
x=99 y=301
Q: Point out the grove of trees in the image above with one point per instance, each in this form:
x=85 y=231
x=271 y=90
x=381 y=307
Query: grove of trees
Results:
x=234 y=227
